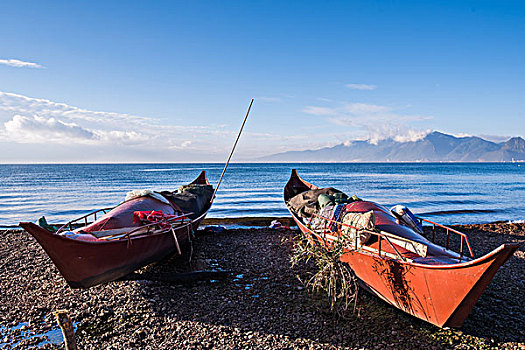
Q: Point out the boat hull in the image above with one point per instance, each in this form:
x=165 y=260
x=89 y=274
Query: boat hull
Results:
x=84 y=264
x=442 y=294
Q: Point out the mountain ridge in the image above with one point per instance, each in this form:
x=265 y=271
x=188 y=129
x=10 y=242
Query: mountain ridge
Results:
x=434 y=147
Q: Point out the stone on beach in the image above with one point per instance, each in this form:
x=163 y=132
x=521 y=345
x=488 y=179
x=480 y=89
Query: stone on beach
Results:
x=261 y=305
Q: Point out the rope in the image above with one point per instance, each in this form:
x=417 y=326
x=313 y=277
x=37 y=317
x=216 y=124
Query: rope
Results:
x=176 y=240
x=190 y=233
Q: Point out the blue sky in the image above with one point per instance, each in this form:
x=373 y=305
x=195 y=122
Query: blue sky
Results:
x=126 y=81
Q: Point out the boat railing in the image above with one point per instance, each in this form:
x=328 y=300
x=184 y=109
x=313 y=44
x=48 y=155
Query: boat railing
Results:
x=385 y=236
x=463 y=236
x=381 y=235
x=88 y=218
x=153 y=227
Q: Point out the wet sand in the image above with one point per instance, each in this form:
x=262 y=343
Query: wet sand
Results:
x=261 y=304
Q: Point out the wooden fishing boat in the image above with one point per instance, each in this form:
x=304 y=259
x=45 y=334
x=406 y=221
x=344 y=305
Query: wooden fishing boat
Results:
x=403 y=267
x=122 y=241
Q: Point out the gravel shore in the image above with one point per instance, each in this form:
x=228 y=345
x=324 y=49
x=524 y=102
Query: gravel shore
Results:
x=260 y=304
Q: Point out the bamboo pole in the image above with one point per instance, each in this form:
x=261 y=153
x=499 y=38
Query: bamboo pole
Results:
x=231 y=153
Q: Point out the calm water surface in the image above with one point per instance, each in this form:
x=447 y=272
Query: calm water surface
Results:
x=447 y=193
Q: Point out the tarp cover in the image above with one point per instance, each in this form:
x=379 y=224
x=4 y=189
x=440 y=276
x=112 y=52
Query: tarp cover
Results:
x=191 y=198
x=122 y=215
x=305 y=204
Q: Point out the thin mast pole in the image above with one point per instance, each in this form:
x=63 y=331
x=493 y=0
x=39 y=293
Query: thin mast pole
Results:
x=231 y=153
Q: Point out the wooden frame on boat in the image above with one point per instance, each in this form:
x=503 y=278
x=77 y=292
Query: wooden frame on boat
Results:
x=85 y=217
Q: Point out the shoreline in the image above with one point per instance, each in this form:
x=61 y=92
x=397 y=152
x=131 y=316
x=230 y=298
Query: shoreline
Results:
x=264 y=221
x=261 y=304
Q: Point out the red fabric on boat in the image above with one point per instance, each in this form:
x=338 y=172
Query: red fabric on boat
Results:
x=149 y=217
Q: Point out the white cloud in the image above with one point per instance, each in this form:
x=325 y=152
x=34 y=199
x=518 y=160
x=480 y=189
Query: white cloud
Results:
x=268 y=99
x=35 y=120
x=36 y=129
x=361 y=86
x=343 y=121
x=372 y=122
x=18 y=104
x=122 y=137
x=20 y=64
x=363 y=108
x=347 y=109
x=40 y=123
x=461 y=134
x=181 y=146
x=411 y=135
x=394 y=131
x=319 y=110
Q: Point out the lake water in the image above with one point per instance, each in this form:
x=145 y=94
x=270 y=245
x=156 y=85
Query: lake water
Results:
x=443 y=192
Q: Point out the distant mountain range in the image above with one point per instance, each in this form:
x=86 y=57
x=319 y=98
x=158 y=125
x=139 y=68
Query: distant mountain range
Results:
x=435 y=147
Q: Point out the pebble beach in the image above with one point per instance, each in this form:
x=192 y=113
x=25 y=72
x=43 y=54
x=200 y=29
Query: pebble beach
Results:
x=258 y=301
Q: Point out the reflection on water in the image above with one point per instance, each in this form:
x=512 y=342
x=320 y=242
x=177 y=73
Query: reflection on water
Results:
x=246 y=284
x=12 y=336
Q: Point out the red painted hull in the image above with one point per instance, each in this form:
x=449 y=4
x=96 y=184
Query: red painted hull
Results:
x=442 y=294
x=87 y=263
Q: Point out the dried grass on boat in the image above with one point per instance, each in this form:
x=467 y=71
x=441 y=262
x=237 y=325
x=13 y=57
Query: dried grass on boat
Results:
x=332 y=277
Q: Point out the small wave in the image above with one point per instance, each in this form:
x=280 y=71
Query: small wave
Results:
x=460 y=211
x=517 y=222
x=168 y=169
x=9 y=227
x=255 y=195
x=251 y=190
x=248 y=201
x=357 y=175
x=452 y=194
x=304 y=174
x=9 y=196
x=252 y=211
x=71 y=212
x=423 y=203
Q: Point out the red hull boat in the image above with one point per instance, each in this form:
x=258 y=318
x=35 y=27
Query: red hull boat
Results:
x=117 y=244
x=404 y=268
